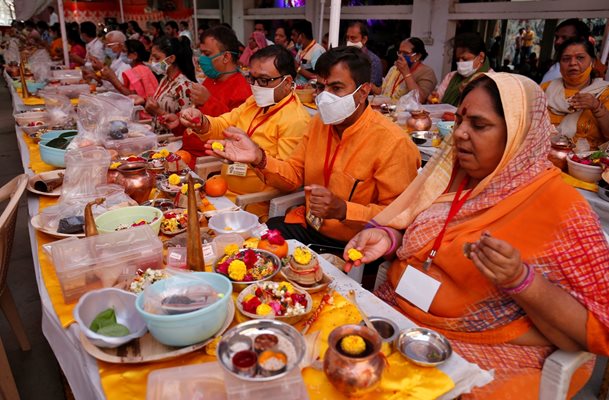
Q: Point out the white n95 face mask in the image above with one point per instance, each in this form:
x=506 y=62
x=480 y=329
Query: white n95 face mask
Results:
x=334 y=109
x=265 y=96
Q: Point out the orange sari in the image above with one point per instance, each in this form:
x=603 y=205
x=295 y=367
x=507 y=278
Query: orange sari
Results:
x=525 y=203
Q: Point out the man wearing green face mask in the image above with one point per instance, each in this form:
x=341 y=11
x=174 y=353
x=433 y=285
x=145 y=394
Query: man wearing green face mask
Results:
x=223 y=89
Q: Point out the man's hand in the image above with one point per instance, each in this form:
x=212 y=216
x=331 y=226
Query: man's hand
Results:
x=171 y=121
x=402 y=65
x=199 y=94
x=108 y=74
x=152 y=107
x=236 y=147
x=324 y=204
x=96 y=63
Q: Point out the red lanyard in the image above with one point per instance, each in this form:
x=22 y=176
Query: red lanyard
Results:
x=250 y=130
x=456 y=205
x=329 y=164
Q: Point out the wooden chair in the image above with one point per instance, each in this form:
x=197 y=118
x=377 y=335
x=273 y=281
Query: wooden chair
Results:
x=12 y=192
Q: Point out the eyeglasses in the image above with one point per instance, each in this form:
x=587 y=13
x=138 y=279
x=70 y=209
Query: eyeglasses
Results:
x=262 y=82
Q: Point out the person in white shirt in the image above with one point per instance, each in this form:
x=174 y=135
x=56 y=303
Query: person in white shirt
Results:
x=115 y=50
x=53 y=17
x=94 y=46
x=568 y=29
x=185 y=32
x=308 y=51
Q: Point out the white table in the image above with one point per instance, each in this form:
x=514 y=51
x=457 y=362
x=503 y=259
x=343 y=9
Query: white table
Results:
x=81 y=369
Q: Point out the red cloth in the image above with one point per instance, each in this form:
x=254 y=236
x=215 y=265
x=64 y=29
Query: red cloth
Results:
x=225 y=95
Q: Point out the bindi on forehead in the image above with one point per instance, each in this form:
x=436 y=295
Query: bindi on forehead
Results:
x=464 y=111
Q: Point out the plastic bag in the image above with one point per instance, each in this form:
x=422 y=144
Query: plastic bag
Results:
x=409 y=102
x=40 y=64
x=95 y=114
x=115 y=197
x=183 y=293
x=86 y=169
x=60 y=110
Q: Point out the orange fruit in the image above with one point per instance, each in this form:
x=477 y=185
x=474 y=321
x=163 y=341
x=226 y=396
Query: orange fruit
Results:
x=216 y=186
x=280 y=250
x=186 y=156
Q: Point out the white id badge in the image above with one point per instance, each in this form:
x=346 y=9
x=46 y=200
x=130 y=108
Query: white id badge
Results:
x=237 y=169
x=418 y=288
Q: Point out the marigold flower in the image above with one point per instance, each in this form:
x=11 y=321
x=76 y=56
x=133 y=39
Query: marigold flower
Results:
x=174 y=179
x=302 y=255
x=217 y=146
x=353 y=345
x=237 y=270
x=354 y=254
x=264 y=309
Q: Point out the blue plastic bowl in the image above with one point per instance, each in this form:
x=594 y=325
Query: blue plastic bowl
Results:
x=50 y=155
x=32 y=87
x=193 y=327
x=445 y=127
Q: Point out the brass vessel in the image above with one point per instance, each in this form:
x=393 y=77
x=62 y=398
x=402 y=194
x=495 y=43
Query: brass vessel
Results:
x=136 y=180
x=419 y=121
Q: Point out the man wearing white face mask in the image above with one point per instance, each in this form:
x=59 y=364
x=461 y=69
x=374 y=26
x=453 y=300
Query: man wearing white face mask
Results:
x=470 y=55
x=273 y=117
x=357 y=36
x=114 y=49
x=352 y=160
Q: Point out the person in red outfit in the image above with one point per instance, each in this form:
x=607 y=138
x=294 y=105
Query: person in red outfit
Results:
x=224 y=88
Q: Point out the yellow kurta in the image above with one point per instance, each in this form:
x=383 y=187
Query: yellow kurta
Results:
x=278 y=135
x=374 y=164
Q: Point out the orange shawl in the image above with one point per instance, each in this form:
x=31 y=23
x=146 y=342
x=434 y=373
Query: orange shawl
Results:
x=522 y=202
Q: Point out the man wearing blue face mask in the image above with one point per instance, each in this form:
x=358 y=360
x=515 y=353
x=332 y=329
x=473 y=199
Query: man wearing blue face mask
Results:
x=352 y=161
x=224 y=89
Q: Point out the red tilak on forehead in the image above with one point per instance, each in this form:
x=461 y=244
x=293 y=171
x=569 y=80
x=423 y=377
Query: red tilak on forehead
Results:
x=464 y=111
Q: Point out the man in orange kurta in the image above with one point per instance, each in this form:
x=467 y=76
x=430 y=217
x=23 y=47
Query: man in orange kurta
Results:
x=352 y=160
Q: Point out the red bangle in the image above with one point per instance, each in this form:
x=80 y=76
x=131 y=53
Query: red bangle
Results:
x=522 y=286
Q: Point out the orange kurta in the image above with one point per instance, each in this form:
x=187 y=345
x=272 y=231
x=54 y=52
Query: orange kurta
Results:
x=374 y=164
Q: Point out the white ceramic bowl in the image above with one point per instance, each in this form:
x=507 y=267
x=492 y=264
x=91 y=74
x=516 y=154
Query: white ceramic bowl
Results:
x=586 y=173
x=92 y=303
x=240 y=222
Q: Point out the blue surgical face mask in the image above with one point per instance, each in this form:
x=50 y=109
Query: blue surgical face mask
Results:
x=208 y=67
x=124 y=58
x=298 y=46
x=110 y=53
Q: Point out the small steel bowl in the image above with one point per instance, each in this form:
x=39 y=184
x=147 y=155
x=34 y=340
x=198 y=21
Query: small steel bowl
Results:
x=387 y=329
x=422 y=138
x=280 y=356
x=423 y=347
x=291 y=343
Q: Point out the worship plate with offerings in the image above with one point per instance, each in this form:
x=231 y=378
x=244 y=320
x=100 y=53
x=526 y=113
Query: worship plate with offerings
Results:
x=148 y=349
x=175 y=221
x=39 y=226
x=248 y=266
x=274 y=300
x=261 y=350
x=323 y=284
x=47 y=183
x=423 y=347
x=174 y=184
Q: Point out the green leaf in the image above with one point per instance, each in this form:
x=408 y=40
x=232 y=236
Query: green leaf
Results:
x=104 y=318
x=68 y=134
x=115 y=330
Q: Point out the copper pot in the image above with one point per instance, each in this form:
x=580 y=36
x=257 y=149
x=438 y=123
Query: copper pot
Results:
x=419 y=121
x=561 y=147
x=354 y=376
x=112 y=175
x=136 y=180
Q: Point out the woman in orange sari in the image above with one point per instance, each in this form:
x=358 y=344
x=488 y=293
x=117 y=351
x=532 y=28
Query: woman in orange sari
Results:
x=510 y=262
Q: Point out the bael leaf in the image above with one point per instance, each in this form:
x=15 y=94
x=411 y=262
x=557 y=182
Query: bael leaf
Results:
x=104 y=318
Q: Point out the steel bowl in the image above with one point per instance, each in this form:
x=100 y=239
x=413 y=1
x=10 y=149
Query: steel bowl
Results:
x=387 y=329
x=422 y=138
x=123 y=303
x=238 y=286
x=291 y=342
x=240 y=222
x=424 y=347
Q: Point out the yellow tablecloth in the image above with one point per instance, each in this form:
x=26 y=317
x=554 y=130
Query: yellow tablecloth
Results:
x=401 y=380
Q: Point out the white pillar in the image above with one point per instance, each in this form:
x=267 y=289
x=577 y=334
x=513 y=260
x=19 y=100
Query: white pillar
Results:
x=430 y=23
x=120 y=2
x=238 y=22
x=320 y=35
x=334 y=23
x=195 y=25
x=64 y=34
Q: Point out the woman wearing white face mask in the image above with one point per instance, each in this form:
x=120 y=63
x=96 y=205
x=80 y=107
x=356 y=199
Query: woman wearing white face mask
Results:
x=273 y=117
x=172 y=59
x=470 y=55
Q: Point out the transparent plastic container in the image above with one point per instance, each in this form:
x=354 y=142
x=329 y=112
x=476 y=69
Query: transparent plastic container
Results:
x=104 y=260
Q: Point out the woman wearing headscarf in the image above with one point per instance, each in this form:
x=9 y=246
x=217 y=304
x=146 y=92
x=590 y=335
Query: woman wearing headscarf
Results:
x=511 y=262
x=471 y=59
x=578 y=100
x=256 y=42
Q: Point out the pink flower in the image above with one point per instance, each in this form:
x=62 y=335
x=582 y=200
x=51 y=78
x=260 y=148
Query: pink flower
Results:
x=223 y=268
x=274 y=237
x=249 y=258
x=276 y=306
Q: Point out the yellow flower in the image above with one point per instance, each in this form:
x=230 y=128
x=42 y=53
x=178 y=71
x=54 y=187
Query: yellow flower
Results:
x=217 y=146
x=164 y=153
x=174 y=179
x=248 y=297
x=264 y=309
x=231 y=249
x=228 y=228
x=353 y=345
x=115 y=165
x=287 y=286
x=184 y=188
x=237 y=270
x=302 y=255
x=251 y=243
x=354 y=254
x=156 y=156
